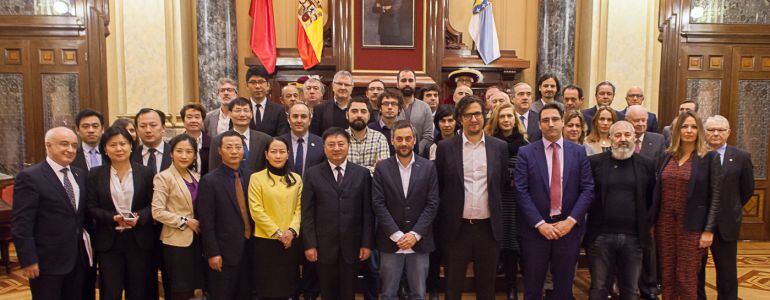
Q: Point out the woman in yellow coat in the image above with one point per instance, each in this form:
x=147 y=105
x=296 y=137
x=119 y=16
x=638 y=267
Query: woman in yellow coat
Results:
x=274 y=201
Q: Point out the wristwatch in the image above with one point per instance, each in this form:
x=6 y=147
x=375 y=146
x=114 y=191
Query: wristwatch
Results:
x=278 y=234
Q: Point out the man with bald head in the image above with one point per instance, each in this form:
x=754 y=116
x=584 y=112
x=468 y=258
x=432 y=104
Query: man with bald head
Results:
x=48 y=220
x=522 y=103
x=635 y=96
x=650 y=144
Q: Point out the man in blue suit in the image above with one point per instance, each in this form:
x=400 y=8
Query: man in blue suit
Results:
x=555 y=183
x=635 y=96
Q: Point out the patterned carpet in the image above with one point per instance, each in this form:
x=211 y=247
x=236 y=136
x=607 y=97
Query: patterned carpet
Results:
x=753 y=276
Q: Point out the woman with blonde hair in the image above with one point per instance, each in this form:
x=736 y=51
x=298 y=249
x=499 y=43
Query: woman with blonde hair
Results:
x=598 y=140
x=686 y=199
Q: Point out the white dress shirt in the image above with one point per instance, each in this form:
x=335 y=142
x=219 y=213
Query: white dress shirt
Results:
x=223 y=123
x=158 y=155
x=344 y=166
x=476 y=204
x=122 y=192
x=406 y=174
x=57 y=170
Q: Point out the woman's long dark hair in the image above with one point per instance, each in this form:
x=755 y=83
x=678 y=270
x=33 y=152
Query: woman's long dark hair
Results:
x=184 y=137
x=108 y=134
x=441 y=112
x=285 y=171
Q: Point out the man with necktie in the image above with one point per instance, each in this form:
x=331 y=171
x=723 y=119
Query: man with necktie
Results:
x=90 y=126
x=268 y=117
x=152 y=152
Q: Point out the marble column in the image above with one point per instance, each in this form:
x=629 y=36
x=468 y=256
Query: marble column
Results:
x=217 y=47
x=556 y=39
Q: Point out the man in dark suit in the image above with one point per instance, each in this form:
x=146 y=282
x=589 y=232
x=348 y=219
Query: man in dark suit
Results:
x=256 y=141
x=267 y=117
x=619 y=219
x=572 y=95
x=90 y=126
x=405 y=202
x=332 y=113
x=193 y=115
x=605 y=94
x=225 y=222
x=635 y=96
x=49 y=222
x=153 y=152
x=473 y=174
x=522 y=102
x=554 y=181
x=737 y=189
x=337 y=218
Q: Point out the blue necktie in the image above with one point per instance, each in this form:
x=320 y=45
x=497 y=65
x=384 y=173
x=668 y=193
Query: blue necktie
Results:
x=93 y=159
x=523 y=121
x=299 y=161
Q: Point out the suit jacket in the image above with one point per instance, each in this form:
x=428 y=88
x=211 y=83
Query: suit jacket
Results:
x=652 y=120
x=324 y=117
x=538 y=105
x=102 y=208
x=737 y=188
x=314 y=151
x=136 y=156
x=703 y=191
x=211 y=122
x=171 y=201
x=533 y=127
x=589 y=114
x=258 y=143
x=80 y=160
x=653 y=145
x=337 y=219
x=221 y=225
x=46 y=229
x=533 y=184
x=449 y=165
x=667 y=135
x=274 y=122
x=414 y=212
x=205 y=153
x=644 y=172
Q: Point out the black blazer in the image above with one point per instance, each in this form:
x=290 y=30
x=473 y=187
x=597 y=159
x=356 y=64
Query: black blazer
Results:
x=274 y=122
x=102 y=209
x=314 y=150
x=45 y=227
x=258 y=143
x=222 y=227
x=415 y=212
x=653 y=145
x=136 y=156
x=737 y=188
x=337 y=220
x=704 y=191
x=533 y=127
x=80 y=160
x=644 y=172
x=327 y=114
x=449 y=165
x=204 y=153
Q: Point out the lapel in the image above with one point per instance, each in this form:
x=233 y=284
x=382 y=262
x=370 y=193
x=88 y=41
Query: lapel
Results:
x=395 y=173
x=491 y=157
x=694 y=172
x=182 y=186
x=641 y=201
x=542 y=164
x=728 y=162
x=223 y=172
x=326 y=171
x=604 y=172
x=566 y=163
x=165 y=158
x=458 y=154
x=416 y=173
x=138 y=186
x=49 y=174
x=104 y=184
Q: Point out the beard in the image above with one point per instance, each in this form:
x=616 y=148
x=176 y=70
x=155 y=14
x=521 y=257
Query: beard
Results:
x=408 y=91
x=401 y=154
x=622 y=151
x=358 y=125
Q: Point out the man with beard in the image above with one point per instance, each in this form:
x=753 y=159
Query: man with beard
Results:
x=547 y=89
x=332 y=113
x=619 y=217
x=218 y=120
x=522 y=103
x=416 y=112
x=367 y=147
x=405 y=201
x=374 y=89
x=605 y=93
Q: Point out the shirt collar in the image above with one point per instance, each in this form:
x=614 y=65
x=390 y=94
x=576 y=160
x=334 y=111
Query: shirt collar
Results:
x=559 y=142
x=115 y=172
x=160 y=148
x=408 y=166
x=55 y=166
x=721 y=150
x=526 y=115
x=294 y=137
x=261 y=102
x=382 y=124
x=87 y=148
x=245 y=134
x=344 y=165
x=466 y=141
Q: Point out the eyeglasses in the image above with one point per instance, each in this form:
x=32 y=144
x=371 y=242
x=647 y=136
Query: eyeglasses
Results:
x=639 y=96
x=388 y=104
x=476 y=115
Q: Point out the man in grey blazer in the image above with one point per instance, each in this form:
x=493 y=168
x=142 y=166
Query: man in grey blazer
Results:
x=218 y=120
x=650 y=144
x=255 y=141
x=415 y=110
x=405 y=202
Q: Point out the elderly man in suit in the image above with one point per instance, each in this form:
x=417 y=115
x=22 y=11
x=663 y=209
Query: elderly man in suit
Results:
x=267 y=117
x=405 y=202
x=218 y=120
x=90 y=127
x=225 y=221
x=522 y=102
x=337 y=219
x=255 y=141
x=555 y=184
x=635 y=96
x=647 y=143
x=49 y=224
x=152 y=152
x=737 y=188
x=472 y=177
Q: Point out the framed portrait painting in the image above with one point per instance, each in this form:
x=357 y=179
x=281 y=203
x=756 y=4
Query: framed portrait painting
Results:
x=388 y=23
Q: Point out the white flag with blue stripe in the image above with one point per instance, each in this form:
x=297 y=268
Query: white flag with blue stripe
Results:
x=483 y=31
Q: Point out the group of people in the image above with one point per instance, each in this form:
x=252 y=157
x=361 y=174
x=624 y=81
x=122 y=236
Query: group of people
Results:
x=273 y=200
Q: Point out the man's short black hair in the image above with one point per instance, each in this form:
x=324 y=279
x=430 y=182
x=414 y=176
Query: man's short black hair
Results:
x=87 y=112
x=401 y=124
x=194 y=106
x=391 y=94
x=464 y=103
x=375 y=80
x=542 y=79
x=257 y=71
x=336 y=131
x=146 y=110
x=240 y=101
x=552 y=106
x=230 y=133
x=430 y=88
x=398 y=75
x=690 y=101
x=360 y=100
x=605 y=83
x=573 y=87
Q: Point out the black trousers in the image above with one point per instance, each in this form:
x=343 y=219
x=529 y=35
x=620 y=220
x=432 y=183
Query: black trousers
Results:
x=509 y=259
x=433 y=282
x=337 y=279
x=124 y=267
x=235 y=281
x=725 y=262
x=308 y=282
x=648 y=279
x=61 y=287
x=477 y=244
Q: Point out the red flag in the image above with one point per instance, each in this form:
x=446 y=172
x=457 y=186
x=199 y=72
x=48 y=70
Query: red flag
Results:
x=263 y=33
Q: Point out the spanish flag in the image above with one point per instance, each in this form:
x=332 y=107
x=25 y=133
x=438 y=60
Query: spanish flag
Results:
x=310 y=31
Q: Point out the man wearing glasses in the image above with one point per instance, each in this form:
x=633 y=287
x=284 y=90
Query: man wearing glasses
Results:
x=635 y=96
x=374 y=89
x=218 y=120
x=332 y=113
x=268 y=117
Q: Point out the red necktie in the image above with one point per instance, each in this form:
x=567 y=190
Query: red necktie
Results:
x=637 y=146
x=555 y=180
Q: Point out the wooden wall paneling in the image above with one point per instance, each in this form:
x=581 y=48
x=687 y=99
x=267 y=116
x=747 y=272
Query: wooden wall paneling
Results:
x=98 y=20
x=31 y=118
